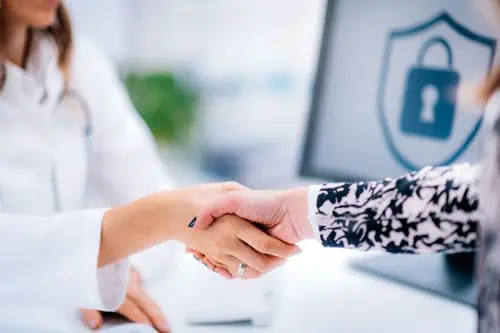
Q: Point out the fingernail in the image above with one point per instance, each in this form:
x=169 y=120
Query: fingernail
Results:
x=192 y=223
x=196 y=258
x=298 y=251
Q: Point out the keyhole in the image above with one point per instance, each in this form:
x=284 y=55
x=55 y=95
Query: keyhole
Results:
x=429 y=100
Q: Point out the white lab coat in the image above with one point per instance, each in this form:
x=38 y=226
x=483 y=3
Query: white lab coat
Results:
x=51 y=173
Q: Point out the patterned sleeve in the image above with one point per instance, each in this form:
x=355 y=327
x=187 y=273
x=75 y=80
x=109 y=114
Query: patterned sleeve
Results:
x=431 y=210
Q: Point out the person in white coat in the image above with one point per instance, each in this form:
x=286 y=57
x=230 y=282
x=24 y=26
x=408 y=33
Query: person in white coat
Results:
x=71 y=142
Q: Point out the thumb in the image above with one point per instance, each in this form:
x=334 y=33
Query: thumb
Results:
x=261 y=207
x=91 y=318
x=226 y=204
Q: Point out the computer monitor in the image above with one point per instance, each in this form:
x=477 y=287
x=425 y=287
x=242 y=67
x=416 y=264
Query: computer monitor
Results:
x=390 y=97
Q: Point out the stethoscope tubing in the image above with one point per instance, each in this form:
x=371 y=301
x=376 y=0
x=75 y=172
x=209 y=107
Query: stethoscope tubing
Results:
x=87 y=133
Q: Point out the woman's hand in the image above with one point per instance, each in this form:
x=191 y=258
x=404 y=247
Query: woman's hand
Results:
x=165 y=216
x=138 y=307
x=155 y=219
x=281 y=214
x=231 y=241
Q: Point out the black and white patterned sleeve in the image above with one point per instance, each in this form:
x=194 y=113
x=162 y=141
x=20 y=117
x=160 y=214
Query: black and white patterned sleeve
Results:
x=431 y=210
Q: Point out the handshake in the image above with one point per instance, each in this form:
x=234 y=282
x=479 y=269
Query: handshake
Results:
x=236 y=232
x=246 y=233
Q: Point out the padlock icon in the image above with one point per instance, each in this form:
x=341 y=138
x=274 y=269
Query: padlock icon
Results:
x=430 y=98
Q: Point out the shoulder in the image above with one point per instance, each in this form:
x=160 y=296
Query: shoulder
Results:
x=90 y=65
x=95 y=78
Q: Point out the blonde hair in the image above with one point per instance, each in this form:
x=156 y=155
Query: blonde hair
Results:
x=491 y=82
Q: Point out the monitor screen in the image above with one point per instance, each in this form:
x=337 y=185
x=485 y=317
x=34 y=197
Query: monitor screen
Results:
x=393 y=86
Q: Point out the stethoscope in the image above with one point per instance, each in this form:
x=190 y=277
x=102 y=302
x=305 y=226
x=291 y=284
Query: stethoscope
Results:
x=67 y=95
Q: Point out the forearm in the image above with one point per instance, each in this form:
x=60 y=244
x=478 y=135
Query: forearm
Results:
x=142 y=224
x=433 y=210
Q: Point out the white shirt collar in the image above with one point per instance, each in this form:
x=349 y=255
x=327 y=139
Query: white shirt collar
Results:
x=42 y=77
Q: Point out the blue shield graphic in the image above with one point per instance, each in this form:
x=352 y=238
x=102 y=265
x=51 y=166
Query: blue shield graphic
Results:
x=422 y=118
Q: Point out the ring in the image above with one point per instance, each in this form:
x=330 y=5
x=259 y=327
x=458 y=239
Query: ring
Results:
x=241 y=269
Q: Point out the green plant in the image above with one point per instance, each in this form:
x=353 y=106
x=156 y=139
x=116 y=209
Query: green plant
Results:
x=167 y=106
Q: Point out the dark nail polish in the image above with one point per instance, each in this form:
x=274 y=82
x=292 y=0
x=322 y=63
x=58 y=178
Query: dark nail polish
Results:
x=192 y=223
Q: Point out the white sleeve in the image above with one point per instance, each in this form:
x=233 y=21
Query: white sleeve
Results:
x=53 y=261
x=154 y=263
x=125 y=162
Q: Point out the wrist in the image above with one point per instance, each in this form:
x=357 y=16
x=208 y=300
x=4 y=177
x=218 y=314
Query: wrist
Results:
x=163 y=216
x=295 y=203
x=147 y=222
x=170 y=214
x=113 y=243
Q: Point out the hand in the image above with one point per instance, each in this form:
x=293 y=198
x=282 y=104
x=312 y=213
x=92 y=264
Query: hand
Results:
x=154 y=219
x=282 y=214
x=138 y=307
x=231 y=241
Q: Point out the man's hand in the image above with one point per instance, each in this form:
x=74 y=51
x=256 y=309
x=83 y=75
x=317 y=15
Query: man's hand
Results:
x=138 y=307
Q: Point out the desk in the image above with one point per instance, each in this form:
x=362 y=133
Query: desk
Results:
x=322 y=294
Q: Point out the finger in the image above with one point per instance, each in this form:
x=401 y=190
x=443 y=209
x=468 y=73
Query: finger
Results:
x=260 y=262
x=233 y=264
x=218 y=267
x=264 y=243
x=221 y=268
x=91 y=318
x=198 y=256
x=213 y=264
x=228 y=204
x=190 y=250
x=222 y=271
x=134 y=313
x=208 y=263
x=150 y=309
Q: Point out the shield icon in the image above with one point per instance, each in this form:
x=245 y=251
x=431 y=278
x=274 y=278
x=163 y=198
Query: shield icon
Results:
x=422 y=120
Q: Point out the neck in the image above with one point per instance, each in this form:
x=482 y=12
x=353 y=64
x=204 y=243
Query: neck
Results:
x=13 y=40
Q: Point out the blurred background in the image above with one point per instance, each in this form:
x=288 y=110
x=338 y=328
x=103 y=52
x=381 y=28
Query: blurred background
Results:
x=224 y=85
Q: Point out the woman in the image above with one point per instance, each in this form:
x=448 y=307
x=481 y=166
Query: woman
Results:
x=71 y=140
x=432 y=210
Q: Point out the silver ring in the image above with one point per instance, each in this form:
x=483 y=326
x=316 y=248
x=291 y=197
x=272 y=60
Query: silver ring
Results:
x=241 y=269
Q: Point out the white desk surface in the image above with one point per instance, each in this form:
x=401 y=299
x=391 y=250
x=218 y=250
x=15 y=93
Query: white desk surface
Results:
x=322 y=294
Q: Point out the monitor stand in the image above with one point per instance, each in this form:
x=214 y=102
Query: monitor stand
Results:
x=450 y=276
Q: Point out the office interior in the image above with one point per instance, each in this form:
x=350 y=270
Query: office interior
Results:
x=258 y=92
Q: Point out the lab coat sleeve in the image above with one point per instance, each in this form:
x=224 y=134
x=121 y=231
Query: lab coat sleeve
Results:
x=53 y=261
x=431 y=210
x=124 y=160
